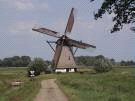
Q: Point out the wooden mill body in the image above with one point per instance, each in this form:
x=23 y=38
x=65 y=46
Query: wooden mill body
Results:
x=64 y=59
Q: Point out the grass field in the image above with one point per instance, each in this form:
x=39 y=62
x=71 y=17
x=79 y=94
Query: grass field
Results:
x=117 y=85
x=25 y=92
x=86 y=85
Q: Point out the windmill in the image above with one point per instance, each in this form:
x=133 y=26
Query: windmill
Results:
x=64 y=60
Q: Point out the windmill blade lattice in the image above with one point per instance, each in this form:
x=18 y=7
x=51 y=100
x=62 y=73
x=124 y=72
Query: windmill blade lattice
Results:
x=80 y=44
x=47 y=31
x=70 y=22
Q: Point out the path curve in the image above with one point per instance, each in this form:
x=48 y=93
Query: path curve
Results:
x=50 y=92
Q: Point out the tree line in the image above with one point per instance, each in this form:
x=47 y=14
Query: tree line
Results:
x=90 y=60
x=127 y=63
x=15 y=61
x=24 y=61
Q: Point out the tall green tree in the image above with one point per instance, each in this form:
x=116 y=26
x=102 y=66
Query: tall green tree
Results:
x=7 y=62
x=26 y=60
x=15 y=58
x=112 y=61
x=16 y=61
x=124 y=11
x=122 y=63
x=38 y=65
x=100 y=57
x=1 y=63
x=102 y=65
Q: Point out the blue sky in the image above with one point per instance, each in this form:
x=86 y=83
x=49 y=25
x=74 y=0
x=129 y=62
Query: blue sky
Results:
x=18 y=17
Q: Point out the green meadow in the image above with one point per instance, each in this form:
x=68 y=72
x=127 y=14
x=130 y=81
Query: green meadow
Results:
x=117 y=85
x=25 y=92
x=85 y=85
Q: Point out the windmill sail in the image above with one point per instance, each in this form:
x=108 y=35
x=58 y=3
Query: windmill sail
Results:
x=57 y=54
x=47 y=31
x=80 y=44
x=70 y=21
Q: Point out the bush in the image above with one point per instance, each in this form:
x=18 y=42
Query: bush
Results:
x=102 y=65
x=38 y=65
x=49 y=69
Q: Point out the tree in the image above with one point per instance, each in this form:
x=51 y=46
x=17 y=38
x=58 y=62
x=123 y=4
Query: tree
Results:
x=122 y=63
x=100 y=57
x=102 y=65
x=7 y=62
x=113 y=61
x=16 y=61
x=26 y=60
x=15 y=58
x=1 y=63
x=124 y=11
x=38 y=65
x=133 y=29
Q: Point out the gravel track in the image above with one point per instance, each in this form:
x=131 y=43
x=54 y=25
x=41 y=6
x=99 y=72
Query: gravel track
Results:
x=50 y=92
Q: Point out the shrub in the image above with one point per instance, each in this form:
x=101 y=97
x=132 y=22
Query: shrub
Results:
x=49 y=69
x=102 y=65
x=38 y=65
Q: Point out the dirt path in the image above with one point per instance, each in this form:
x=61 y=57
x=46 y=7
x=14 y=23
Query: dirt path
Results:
x=50 y=92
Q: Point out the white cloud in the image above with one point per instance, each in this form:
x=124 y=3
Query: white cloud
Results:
x=21 y=26
x=26 y=4
x=31 y=6
x=86 y=24
x=23 y=6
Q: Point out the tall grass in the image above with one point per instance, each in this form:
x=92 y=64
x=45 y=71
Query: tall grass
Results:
x=117 y=85
x=26 y=91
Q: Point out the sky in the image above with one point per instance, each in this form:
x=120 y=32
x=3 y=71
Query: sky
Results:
x=18 y=17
